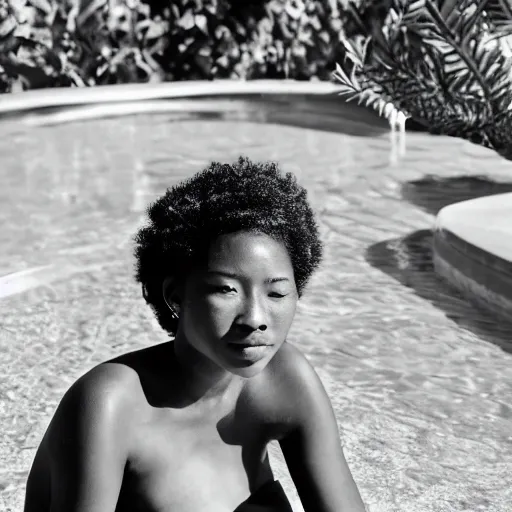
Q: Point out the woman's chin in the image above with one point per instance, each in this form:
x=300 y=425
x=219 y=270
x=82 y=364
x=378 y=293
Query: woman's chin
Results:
x=248 y=369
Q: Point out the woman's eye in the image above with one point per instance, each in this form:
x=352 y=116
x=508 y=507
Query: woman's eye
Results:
x=224 y=289
x=276 y=295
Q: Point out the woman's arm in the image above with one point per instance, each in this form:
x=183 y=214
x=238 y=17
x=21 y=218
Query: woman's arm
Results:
x=312 y=448
x=87 y=443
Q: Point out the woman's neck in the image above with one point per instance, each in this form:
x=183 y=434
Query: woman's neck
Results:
x=205 y=380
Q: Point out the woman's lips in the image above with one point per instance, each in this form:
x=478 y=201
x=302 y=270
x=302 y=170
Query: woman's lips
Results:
x=249 y=351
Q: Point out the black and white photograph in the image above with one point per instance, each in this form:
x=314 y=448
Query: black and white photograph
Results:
x=256 y=255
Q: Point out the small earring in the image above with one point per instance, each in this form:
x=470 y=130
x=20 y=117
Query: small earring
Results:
x=174 y=314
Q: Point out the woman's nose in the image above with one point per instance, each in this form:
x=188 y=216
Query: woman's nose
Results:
x=253 y=315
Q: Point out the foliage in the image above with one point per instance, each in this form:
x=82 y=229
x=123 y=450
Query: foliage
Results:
x=444 y=63
x=52 y=43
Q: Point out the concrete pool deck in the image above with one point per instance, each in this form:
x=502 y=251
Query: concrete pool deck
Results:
x=473 y=250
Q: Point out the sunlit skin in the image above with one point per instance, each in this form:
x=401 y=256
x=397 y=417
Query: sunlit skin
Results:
x=184 y=426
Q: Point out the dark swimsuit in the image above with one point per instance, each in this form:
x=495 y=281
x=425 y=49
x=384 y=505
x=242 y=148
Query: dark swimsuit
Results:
x=270 y=497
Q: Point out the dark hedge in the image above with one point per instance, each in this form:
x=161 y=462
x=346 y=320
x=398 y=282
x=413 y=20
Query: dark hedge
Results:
x=49 y=43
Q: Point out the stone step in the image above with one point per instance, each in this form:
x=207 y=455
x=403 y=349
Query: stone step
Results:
x=473 y=250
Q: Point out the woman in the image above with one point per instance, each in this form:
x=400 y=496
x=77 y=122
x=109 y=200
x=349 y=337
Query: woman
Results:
x=183 y=426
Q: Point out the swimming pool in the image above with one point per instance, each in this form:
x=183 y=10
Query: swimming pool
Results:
x=421 y=381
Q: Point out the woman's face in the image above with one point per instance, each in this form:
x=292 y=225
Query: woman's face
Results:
x=237 y=310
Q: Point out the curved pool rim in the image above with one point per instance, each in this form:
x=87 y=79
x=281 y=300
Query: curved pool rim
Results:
x=62 y=97
x=316 y=105
x=473 y=251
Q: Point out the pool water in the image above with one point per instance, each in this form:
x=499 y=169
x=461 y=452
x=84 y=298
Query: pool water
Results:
x=421 y=381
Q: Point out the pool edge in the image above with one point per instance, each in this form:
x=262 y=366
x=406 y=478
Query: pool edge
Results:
x=480 y=275
x=13 y=103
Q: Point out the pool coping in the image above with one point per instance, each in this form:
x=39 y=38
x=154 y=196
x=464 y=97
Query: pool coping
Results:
x=65 y=97
x=481 y=276
x=286 y=102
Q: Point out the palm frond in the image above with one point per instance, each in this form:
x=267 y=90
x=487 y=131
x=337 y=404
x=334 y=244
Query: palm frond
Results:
x=472 y=61
x=498 y=13
x=413 y=12
x=370 y=95
x=441 y=62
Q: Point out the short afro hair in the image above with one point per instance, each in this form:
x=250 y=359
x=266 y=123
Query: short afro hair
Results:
x=221 y=199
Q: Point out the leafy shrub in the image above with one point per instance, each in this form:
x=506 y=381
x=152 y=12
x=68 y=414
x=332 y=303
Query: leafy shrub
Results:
x=53 y=43
x=447 y=64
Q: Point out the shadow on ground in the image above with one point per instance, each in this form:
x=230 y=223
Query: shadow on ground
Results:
x=409 y=261
x=431 y=193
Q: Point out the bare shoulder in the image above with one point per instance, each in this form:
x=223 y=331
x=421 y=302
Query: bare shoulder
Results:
x=105 y=395
x=110 y=383
x=289 y=387
x=291 y=367
x=80 y=462
x=299 y=377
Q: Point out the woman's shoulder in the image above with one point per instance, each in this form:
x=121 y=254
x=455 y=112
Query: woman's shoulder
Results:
x=284 y=389
x=107 y=383
x=103 y=397
x=290 y=367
